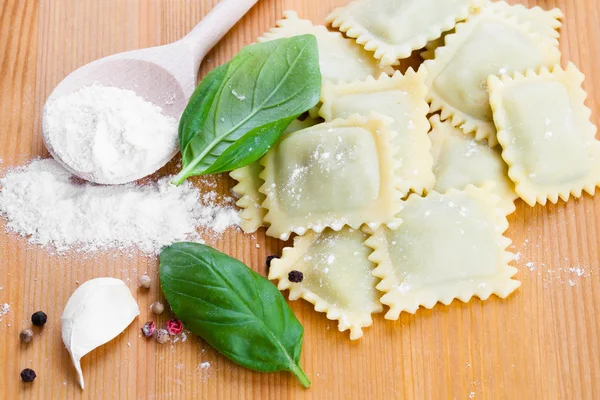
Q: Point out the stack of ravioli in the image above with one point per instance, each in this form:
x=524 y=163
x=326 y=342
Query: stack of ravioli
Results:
x=392 y=208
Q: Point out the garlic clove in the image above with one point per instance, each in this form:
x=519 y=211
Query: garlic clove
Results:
x=97 y=312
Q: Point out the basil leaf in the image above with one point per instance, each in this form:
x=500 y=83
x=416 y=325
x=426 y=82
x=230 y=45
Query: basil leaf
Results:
x=265 y=83
x=199 y=105
x=251 y=148
x=234 y=309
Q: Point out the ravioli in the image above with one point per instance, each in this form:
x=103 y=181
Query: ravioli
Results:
x=545 y=22
x=247 y=189
x=449 y=246
x=460 y=160
x=333 y=174
x=394 y=28
x=400 y=97
x=250 y=201
x=340 y=59
x=547 y=138
x=538 y=20
x=337 y=277
x=489 y=43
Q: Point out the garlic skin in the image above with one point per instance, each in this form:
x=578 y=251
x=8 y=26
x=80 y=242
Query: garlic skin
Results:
x=97 y=312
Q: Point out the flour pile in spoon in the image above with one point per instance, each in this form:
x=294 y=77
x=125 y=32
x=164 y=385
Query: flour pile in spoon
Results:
x=109 y=135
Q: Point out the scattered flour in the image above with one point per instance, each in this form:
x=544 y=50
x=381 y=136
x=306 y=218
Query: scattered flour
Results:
x=4 y=309
x=45 y=203
x=531 y=265
x=471 y=148
x=579 y=271
x=109 y=135
x=237 y=95
x=565 y=272
x=204 y=365
x=222 y=219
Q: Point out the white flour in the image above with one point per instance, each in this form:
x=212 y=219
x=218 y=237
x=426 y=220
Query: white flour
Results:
x=45 y=203
x=204 y=365
x=4 y=309
x=109 y=135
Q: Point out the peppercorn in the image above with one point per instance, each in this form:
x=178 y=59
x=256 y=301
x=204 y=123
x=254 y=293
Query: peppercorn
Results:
x=295 y=276
x=157 y=308
x=145 y=281
x=39 y=318
x=148 y=329
x=28 y=375
x=162 y=336
x=26 y=335
x=174 y=326
x=269 y=259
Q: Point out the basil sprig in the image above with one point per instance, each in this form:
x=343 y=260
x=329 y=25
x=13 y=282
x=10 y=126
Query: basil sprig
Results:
x=234 y=309
x=241 y=108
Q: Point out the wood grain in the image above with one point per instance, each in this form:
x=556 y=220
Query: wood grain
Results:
x=541 y=343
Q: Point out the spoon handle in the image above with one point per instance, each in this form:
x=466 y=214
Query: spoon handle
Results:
x=215 y=25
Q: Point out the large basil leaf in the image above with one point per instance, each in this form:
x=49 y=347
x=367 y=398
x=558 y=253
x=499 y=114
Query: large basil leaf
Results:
x=265 y=85
x=237 y=311
x=199 y=104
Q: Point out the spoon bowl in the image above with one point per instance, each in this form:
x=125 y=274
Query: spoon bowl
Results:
x=164 y=76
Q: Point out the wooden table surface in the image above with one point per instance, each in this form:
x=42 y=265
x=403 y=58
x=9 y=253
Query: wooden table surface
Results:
x=541 y=343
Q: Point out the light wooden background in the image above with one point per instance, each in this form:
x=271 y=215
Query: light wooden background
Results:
x=541 y=343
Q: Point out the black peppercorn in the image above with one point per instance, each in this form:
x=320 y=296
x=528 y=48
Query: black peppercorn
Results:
x=269 y=259
x=39 y=318
x=28 y=375
x=295 y=276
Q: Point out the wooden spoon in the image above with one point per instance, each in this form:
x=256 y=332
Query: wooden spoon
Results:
x=163 y=75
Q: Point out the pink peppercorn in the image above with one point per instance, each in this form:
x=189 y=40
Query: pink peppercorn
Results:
x=174 y=326
x=148 y=329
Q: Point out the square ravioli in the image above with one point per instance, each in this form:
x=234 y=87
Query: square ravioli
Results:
x=449 y=246
x=250 y=201
x=340 y=59
x=394 y=28
x=402 y=98
x=336 y=276
x=547 y=138
x=249 y=182
x=460 y=160
x=489 y=43
x=545 y=22
x=330 y=175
